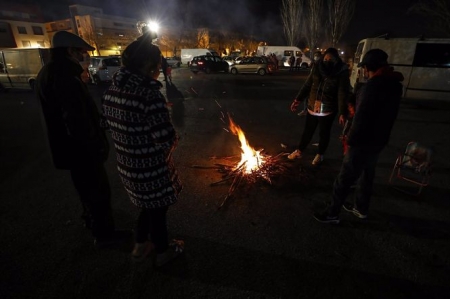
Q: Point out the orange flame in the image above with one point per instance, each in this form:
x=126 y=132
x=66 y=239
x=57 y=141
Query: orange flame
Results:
x=251 y=158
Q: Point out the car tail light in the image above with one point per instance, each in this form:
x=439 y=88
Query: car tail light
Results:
x=200 y=62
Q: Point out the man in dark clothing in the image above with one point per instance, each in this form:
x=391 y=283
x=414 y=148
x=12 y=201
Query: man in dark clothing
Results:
x=377 y=105
x=77 y=142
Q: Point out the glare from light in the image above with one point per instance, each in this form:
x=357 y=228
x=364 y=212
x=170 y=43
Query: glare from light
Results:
x=153 y=26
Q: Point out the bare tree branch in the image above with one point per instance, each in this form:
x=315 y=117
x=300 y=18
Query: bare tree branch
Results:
x=313 y=24
x=438 y=11
x=340 y=12
x=291 y=15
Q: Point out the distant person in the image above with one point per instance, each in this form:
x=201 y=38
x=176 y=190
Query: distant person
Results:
x=77 y=142
x=144 y=138
x=298 y=63
x=377 y=105
x=164 y=66
x=327 y=90
x=169 y=73
x=291 y=63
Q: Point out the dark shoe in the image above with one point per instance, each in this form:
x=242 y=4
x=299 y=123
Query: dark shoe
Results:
x=351 y=209
x=325 y=217
x=115 y=238
x=141 y=251
x=176 y=247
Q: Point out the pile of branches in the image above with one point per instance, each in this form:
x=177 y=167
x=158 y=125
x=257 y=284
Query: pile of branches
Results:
x=273 y=167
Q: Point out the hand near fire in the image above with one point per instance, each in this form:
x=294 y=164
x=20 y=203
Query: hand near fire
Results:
x=294 y=105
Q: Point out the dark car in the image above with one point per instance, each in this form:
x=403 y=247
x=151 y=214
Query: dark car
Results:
x=208 y=64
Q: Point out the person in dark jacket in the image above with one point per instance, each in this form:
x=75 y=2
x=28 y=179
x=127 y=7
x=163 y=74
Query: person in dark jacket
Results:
x=327 y=91
x=144 y=138
x=377 y=105
x=77 y=142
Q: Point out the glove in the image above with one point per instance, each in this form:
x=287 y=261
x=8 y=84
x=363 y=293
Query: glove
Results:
x=294 y=105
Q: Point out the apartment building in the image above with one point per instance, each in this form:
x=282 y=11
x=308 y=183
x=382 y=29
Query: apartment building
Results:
x=22 y=26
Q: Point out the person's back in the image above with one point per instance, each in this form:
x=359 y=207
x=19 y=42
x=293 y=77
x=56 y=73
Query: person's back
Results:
x=377 y=107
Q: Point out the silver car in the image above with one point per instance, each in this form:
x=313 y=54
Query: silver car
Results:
x=255 y=64
x=102 y=68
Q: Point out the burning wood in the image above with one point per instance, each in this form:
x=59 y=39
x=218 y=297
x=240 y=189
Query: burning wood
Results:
x=253 y=166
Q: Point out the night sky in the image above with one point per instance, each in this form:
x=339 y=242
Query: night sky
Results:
x=260 y=18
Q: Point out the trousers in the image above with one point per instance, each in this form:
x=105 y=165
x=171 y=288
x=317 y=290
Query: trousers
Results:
x=152 y=223
x=325 y=123
x=358 y=166
x=92 y=184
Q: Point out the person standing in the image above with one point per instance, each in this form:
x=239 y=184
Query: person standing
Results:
x=377 y=105
x=144 y=138
x=164 y=66
x=292 y=63
x=328 y=88
x=77 y=142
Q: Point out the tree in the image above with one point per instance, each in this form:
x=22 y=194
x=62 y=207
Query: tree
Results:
x=313 y=17
x=340 y=12
x=438 y=11
x=291 y=15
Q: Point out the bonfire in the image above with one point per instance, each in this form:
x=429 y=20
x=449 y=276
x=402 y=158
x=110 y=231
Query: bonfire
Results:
x=253 y=166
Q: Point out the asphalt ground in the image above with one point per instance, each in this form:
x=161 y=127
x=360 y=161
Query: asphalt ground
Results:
x=263 y=242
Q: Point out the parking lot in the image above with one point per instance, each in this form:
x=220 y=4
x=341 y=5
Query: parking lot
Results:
x=263 y=243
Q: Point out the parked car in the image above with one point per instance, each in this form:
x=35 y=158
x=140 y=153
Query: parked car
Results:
x=228 y=59
x=102 y=68
x=173 y=61
x=208 y=64
x=255 y=64
x=238 y=59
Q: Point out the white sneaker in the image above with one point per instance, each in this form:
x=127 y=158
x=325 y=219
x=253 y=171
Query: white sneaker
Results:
x=317 y=159
x=295 y=154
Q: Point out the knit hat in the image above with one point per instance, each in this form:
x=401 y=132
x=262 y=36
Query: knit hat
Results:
x=64 y=39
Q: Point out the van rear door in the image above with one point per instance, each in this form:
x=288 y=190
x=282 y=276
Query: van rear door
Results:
x=5 y=82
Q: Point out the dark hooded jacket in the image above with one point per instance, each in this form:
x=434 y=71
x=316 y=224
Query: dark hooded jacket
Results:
x=377 y=104
x=71 y=118
x=331 y=86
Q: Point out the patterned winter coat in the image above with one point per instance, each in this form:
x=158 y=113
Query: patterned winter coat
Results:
x=144 y=138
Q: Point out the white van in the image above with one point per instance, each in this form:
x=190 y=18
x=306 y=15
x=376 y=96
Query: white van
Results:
x=188 y=54
x=19 y=67
x=283 y=53
x=425 y=64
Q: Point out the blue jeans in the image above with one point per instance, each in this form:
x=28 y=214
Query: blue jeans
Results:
x=359 y=164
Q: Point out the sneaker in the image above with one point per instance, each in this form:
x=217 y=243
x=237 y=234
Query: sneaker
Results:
x=115 y=238
x=317 y=159
x=295 y=154
x=141 y=251
x=350 y=208
x=176 y=247
x=325 y=217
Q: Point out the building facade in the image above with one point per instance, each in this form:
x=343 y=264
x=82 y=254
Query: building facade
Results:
x=22 y=26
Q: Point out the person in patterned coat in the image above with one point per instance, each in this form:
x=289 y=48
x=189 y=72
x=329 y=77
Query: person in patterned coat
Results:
x=144 y=138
